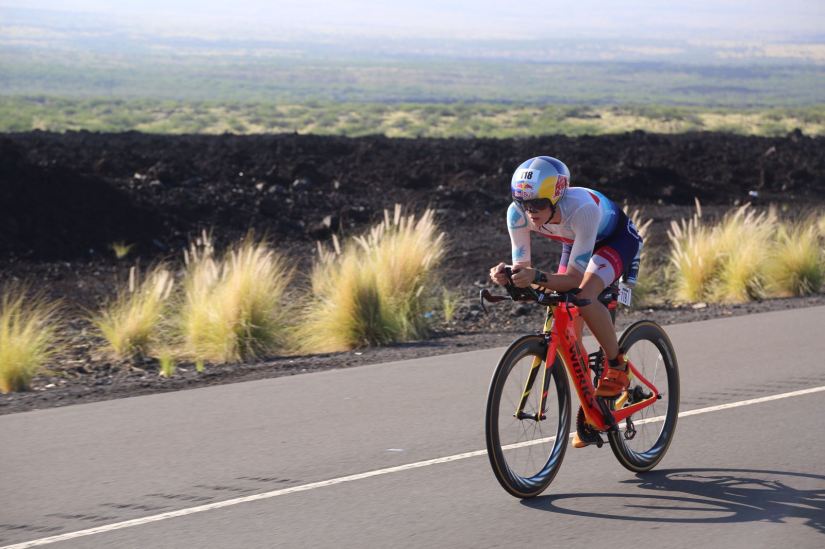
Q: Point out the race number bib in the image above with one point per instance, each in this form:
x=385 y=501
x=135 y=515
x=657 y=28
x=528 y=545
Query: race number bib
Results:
x=625 y=293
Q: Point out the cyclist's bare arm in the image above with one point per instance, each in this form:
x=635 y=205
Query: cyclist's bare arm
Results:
x=525 y=275
x=559 y=282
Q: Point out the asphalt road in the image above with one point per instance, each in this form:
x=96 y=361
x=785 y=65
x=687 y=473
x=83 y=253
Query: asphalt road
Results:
x=392 y=455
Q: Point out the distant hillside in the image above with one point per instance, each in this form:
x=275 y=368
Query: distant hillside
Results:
x=71 y=55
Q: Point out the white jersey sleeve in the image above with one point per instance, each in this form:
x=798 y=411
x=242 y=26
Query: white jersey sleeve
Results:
x=519 y=235
x=585 y=224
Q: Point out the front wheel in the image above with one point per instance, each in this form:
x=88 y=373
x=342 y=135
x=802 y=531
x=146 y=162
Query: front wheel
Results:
x=526 y=447
x=642 y=442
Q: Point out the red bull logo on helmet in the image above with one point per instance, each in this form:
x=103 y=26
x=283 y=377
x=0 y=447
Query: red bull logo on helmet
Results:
x=525 y=184
x=561 y=185
x=523 y=190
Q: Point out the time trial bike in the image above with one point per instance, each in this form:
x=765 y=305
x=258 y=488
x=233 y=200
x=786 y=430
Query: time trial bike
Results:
x=528 y=418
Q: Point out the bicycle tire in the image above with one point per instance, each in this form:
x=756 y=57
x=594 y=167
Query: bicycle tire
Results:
x=653 y=436
x=504 y=452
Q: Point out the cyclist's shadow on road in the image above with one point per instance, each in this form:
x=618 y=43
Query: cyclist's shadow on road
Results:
x=702 y=496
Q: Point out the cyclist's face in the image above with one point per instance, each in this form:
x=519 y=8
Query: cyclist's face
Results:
x=536 y=206
x=538 y=211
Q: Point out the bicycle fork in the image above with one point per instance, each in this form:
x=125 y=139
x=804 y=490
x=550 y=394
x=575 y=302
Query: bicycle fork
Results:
x=541 y=409
x=528 y=386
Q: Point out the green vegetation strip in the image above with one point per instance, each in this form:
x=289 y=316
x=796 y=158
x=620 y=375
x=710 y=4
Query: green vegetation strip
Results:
x=439 y=120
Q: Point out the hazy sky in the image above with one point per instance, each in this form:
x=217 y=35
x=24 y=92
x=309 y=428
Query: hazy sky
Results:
x=752 y=20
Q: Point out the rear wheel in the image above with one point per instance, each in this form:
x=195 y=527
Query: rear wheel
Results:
x=526 y=452
x=641 y=443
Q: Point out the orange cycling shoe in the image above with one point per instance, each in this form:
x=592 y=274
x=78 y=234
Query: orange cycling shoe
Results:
x=578 y=442
x=614 y=379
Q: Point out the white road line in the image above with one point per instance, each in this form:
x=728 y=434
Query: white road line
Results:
x=359 y=476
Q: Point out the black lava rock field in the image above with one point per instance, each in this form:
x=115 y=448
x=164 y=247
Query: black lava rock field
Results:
x=70 y=196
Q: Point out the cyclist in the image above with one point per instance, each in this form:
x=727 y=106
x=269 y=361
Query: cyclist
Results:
x=599 y=243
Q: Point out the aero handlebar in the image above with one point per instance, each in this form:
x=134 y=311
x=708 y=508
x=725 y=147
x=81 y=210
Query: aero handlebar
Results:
x=529 y=294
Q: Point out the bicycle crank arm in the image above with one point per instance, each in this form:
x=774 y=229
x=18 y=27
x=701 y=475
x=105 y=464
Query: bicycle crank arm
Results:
x=607 y=414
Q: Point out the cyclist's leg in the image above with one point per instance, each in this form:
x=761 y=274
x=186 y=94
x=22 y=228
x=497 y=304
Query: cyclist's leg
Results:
x=607 y=264
x=614 y=379
x=598 y=320
x=563 y=261
x=596 y=314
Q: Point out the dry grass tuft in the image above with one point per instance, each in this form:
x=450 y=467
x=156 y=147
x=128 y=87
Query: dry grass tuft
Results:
x=374 y=290
x=121 y=249
x=748 y=255
x=450 y=301
x=797 y=266
x=744 y=245
x=693 y=257
x=233 y=307
x=166 y=361
x=131 y=324
x=28 y=336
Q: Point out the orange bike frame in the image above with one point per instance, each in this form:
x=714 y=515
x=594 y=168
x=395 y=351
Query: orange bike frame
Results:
x=563 y=341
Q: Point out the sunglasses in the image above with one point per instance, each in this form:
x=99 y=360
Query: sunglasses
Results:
x=536 y=205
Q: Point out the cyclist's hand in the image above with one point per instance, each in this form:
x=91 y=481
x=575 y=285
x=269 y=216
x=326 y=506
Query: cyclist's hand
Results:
x=523 y=276
x=498 y=275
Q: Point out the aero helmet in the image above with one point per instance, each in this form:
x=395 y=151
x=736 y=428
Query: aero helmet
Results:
x=540 y=177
